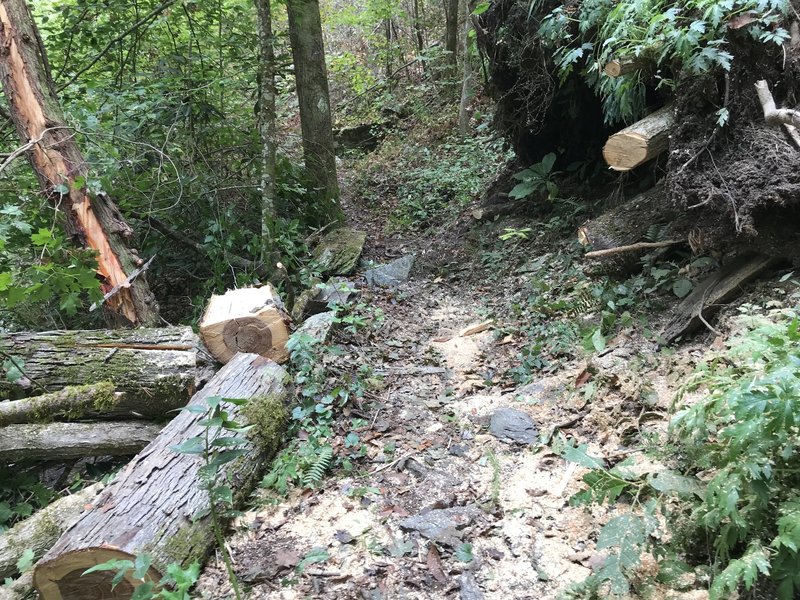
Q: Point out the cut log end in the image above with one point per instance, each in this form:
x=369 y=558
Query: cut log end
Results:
x=626 y=151
x=64 y=578
x=246 y=320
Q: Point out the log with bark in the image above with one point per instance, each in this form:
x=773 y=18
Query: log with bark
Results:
x=246 y=320
x=156 y=505
x=42 y=529
x=628 y=224
x=709 y=295
x=156 y=369
x=641 y=142
x=66 y=441
x=94 y=221
x=76 y=402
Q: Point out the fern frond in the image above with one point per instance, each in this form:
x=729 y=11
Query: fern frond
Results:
x=316 y=472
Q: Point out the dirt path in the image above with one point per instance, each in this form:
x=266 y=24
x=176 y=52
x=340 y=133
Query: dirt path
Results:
x=445 y=505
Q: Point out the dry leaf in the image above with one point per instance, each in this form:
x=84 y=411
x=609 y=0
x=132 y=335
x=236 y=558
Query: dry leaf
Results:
x=582 y=377
x=442 y=340
x=287 y=558
x=740 y=21
x=435 y=565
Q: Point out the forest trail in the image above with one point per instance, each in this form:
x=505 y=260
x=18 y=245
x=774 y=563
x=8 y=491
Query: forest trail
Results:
x=437 y=468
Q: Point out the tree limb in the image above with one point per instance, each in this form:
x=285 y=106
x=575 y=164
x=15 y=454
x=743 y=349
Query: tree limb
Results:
x=631 y=248
x=772 y=114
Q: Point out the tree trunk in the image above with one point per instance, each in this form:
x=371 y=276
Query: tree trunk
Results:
x=158 y=369
x=91 y=222
x=156 y=506
x=419 y=33
x=641 y=142
x=451 y=32
x=267 y=128
x=66 y=441
x=311 y=75
x=42 y=529
x=466 y=74
x=72 y=403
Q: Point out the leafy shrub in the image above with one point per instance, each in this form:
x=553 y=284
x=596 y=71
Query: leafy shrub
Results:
x=733 y=486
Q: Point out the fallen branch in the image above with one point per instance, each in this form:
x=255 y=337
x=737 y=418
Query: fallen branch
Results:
x=631 y=248
x=773 y=115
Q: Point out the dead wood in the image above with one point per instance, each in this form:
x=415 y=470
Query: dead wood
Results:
x=155 y=368
x=717 y=289
x=41 y=530
x=156 y=505
x=641 y=142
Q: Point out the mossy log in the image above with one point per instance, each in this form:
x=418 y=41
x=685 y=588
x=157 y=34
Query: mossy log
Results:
x=157 y=369
x=41 y=530
x=641 y=142
x=156 y=505
x=66 y=441
x=73 y=403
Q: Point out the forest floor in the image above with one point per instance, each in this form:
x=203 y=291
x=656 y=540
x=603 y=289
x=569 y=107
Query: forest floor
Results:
x=445 y=504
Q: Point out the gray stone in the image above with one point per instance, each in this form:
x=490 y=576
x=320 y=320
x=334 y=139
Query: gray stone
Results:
x=338 y=252
x=469 y=587
x=391 y=274
x=319 y=326
x=443 y=525
x=512 y=425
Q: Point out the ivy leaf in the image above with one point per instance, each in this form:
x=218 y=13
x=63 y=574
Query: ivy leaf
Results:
x=682 y=287
x=481 y=8
x=25 y=562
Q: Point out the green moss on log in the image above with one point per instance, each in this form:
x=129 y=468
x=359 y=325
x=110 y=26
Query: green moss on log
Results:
x=338 y=252
x=268 y=415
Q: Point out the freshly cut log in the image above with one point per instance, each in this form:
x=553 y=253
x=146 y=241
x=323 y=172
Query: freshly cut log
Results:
x=642 y=141
x=156 y=505
x=246 y=320
x=717 y=289
x=65 y=441
x=157 y=369
x=41 y=530
x=618 y=68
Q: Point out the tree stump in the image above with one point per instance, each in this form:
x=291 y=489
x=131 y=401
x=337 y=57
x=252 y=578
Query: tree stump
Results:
x=246 y=320
x=156 y=505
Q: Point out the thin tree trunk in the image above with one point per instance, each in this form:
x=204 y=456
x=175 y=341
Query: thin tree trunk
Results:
x=311 y=75
x=451 y=32
x=418 y=30
x=466 y=79
x=92 y=222
x=266 y=124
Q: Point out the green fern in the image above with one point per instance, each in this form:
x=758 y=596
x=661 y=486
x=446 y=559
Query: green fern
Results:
x=315 y=473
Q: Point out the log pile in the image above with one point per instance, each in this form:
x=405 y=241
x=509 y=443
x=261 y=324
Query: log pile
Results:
x=156 y=505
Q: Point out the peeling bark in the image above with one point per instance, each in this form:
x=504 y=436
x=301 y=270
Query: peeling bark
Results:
x=91 y=222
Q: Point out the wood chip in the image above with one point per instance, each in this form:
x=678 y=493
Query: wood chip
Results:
x=476 y=329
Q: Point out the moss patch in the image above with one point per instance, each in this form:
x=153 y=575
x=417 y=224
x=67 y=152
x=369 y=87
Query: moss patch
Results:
x=268 y=415
x=338 y=252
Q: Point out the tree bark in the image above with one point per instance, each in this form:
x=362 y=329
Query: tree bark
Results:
x=451 y=32
x=267 y=128
x=156 y=505
x=419 y=31
x=311 y=75
x=66 y=441
x=91 y=222
x=71 y=403
x=42 y=529
x=158 y=369
x=641 y=142
x=466 y=74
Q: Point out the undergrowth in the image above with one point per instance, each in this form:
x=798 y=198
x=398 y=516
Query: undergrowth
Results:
x=720 y=502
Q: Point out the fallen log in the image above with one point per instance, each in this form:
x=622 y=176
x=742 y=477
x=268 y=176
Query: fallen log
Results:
x=156 y=505
x=246 y=320
x=630 y=224
x=155 y=368
x=65 y=441
x=717 y=289
x=93 y=401
x=641 y=142
x=42 y=529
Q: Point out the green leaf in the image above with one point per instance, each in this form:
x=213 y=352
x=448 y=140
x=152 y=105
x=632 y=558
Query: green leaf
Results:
x=141 y=566
x=598 y=340
x=25 y=562
x=668 y=482
x=317 y=555
x=464 y=553
x=13 y=369
x=195 y=445
x=44 y=237
x=523 y=190
x=579 y=455
x=627 y=533
x=682 y=287
x=481 y=8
